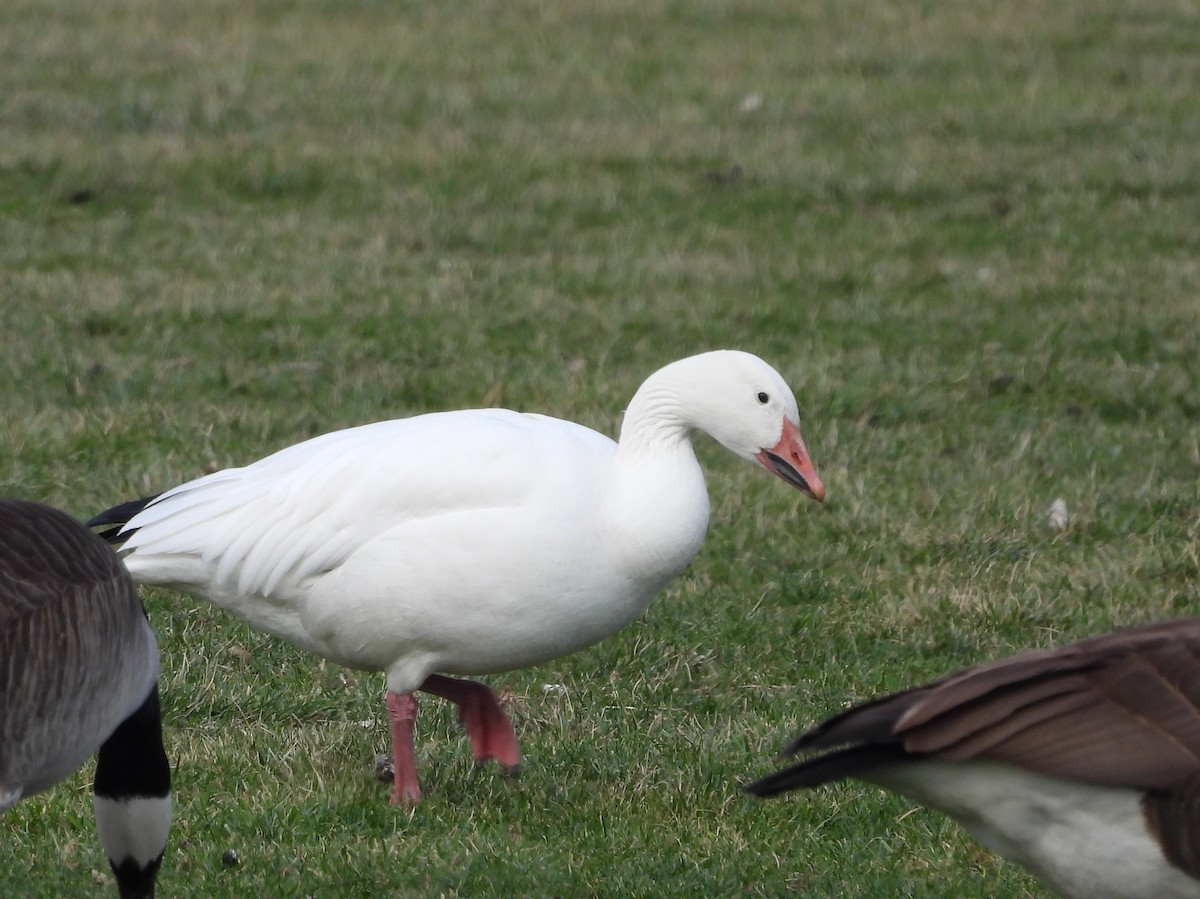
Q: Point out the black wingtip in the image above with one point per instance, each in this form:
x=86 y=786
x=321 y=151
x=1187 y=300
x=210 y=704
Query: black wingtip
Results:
x=771 y=785
x=854 y=761
x=118 y=516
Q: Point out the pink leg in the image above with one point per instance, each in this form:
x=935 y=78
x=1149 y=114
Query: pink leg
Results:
x=402 y=712
x=492 y=735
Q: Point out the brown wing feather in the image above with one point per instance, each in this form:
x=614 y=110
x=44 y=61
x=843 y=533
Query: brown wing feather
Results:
x=1079 y=720
x=1174 y=819
x=1068 y=712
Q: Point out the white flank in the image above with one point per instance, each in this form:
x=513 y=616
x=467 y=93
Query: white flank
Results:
x=1082 y=841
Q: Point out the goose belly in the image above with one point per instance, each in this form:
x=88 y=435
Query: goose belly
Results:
x=477 y=615
x=1081 y=840
x=521 y=598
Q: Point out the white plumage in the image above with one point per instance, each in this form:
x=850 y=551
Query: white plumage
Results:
x=1080 y=840
x=468 y=542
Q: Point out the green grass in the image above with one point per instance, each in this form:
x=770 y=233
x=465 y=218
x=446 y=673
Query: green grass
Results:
x=965 y=233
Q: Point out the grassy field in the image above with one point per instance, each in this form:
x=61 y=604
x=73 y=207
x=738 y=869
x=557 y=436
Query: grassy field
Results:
x=966 y=234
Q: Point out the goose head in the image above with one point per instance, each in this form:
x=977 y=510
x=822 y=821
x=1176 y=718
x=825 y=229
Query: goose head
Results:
x=742 y=403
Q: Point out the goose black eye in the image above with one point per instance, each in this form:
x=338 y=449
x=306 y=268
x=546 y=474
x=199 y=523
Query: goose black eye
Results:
x=763 y=398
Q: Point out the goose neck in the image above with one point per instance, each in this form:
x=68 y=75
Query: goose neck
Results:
x=655 y=421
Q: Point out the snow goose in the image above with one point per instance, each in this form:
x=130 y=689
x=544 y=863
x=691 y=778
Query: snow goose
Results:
x=1081 y=763
x=468 y=542
x=79 y=674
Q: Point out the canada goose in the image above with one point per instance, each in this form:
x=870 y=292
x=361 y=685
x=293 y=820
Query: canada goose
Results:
x=467 y=542
x=79 y=674
x=1081 y=763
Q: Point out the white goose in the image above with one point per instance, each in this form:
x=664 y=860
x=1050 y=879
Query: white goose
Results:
x=1081 y=763
x=78 y=673
x=467 y=542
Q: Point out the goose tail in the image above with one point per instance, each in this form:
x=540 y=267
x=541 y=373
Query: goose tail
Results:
x=114 y=520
